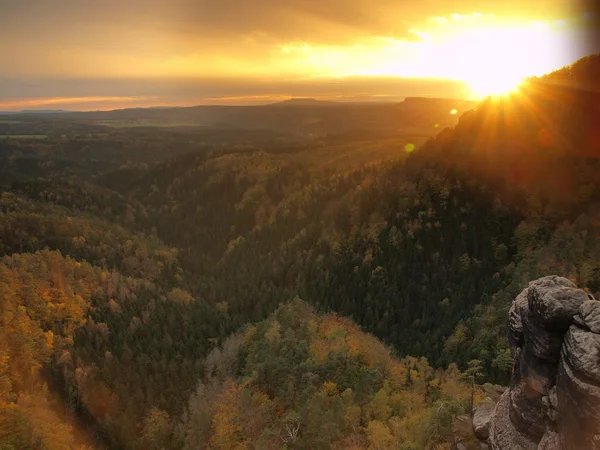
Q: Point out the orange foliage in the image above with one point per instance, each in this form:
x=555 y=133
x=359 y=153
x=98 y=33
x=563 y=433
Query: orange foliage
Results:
x=227 y=427
x=329 y=388
x=340 y=335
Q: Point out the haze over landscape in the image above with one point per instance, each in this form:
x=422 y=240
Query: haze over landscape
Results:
x=80 y=55
x=304 y=224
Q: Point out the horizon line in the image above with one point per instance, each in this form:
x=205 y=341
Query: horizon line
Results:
x=49 y=110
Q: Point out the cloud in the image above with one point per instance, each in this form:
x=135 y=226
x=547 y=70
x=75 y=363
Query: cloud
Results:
x=72 y=102
x=138 y=39
x=324 y=21
x=92 y=94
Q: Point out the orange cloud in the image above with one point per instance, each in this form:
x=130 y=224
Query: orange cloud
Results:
x=41 y=103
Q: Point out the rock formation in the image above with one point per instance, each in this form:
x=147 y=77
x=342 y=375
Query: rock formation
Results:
x=554 y=397
x=482 y=419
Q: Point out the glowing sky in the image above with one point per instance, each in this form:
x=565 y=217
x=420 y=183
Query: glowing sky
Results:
x=86 y=54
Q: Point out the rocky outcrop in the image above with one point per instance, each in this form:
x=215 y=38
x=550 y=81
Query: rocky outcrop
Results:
x=503 y=433
x=482 y=419
x=464 y=438
x=553 y=401
x=578 y=389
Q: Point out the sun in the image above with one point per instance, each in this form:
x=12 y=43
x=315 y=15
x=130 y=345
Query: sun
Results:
x=493 y=85
x=495 y=60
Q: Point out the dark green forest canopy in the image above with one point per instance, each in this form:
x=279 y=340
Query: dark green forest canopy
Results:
x=135 y=260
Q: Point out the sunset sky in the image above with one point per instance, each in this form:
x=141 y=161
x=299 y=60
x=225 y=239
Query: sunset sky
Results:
x=89 y=54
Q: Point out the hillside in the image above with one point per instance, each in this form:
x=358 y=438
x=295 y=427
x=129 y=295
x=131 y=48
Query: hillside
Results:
x=152 y=272
x=317 y=381
x=304 y=102
x=296 y=116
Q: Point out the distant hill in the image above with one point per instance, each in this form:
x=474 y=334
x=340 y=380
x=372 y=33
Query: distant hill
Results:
x=131 y=272
x=304 y=102
x=303 y=116
x=34 y=111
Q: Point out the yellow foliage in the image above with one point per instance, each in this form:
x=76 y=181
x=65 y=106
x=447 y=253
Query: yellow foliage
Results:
x=398 y=428
x=31 y=420
x=380 y=437
x=273 y=333
x=339 y=335
x=49 y=339
x=352 y=415
x=329 y=388
x=226 y=426
x=398 y=375
x=250 y=332
x=180 y=296
x=99 y=399
x=444 y=446
x=222 y=306
x=414 y=375
x=455 y=389
x=405 y=403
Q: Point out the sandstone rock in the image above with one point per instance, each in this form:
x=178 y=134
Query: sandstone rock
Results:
x=550 y=441
x=503 y=434
x=482 y=417
x=499 y=389
x=463 y=436
x=517 y=310
x=589 y=312
x=577 y=320
x=493 y=391
x=552 y=281
x=578 y=409
x=541 y=342
x=553 y=398
x=553 y=402
x=539 y=374
x=550 y=404
x=526 y=411
x=554 y=301
x=581 y=350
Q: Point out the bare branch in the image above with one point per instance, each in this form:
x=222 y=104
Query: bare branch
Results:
x=291 y=431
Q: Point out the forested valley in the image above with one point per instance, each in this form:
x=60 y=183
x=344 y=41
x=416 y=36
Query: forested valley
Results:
x=179 y=286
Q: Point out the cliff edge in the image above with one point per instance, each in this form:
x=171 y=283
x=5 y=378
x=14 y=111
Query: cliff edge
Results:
x=553 y=402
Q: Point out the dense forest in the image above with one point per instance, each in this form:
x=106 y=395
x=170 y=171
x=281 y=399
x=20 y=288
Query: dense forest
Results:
x=222 y=287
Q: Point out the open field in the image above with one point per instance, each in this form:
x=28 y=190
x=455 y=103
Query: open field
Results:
x=23 y=136
x=143 y=123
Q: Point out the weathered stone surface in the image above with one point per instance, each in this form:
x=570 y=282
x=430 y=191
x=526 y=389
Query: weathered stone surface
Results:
x=499 y=389
x=553 y=398
x=541 y=342
x=550 y=404
x=552 y=281
x=589 y=312
x=463 y=436
x=526 y=411
x=539 y=374
x=581 y=350
x=553 y=402
x=503 y=434
x=493 y=391
x=577 y=320
x=550 y=441
x=554 y=302
x=517 y=310
x=482 y=417
x=578 y=410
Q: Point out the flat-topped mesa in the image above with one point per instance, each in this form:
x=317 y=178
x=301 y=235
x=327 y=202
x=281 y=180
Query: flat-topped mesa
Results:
x=554 y=397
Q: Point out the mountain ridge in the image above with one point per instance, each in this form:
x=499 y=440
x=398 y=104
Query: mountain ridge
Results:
x=152 y=276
